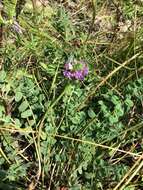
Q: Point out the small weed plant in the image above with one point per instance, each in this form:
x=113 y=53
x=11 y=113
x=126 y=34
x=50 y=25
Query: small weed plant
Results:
x=71 y=95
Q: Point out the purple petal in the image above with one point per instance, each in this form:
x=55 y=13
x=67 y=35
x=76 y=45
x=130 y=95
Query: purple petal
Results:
x=85 y=70
x=68 y=74
x=78 y=75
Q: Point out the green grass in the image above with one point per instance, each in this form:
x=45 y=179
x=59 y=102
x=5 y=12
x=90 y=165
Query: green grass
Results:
x=60 y=134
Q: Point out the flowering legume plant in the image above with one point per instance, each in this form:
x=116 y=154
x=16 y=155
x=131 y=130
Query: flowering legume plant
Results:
x=71 y=95
x=75 y=70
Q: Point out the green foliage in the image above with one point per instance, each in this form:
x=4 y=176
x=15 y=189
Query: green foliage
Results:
x=9 y=8
x=57 y=133
x=8 y=11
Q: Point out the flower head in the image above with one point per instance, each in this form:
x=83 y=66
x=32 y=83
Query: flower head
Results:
x=17 y=28
x=75 y=70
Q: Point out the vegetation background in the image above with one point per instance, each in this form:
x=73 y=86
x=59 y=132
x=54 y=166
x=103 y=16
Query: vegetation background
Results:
x=63 y=134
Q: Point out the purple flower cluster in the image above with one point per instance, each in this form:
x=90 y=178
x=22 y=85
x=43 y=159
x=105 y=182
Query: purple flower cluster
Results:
x=17 y=28
x=75 y=70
